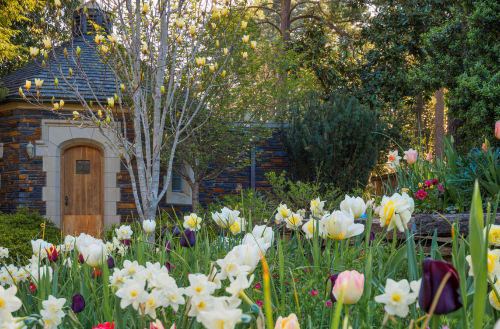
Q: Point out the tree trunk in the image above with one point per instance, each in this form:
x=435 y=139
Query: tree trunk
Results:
x=439 y=128
x=453 y=125
x=420 y=110
x=195 y=196
x=285 y=20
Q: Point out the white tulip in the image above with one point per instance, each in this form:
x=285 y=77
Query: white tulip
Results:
x=226 y=217
x=264 y=232
x=317 y=207
x=149 y=226
x=397 y=298
x=192 y=222
x=83 y=241
x=250 y=255
x=95 y=254
x=395 y=211
x=39 y=246
x=339 y=225
x=356 y=205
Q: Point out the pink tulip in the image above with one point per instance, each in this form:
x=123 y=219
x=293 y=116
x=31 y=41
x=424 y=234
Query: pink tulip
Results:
x=157 y=325
x=428 y=157
x=290 y=322
x=411 y=156
x=497 y=129
x=354 y=283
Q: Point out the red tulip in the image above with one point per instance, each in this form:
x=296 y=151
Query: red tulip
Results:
x=106 y=325
x=52 y=254
x=433 y=272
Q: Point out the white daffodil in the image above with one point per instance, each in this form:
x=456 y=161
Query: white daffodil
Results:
x=309 y=228
x=317 y=207
x=154 y=301
x=395 y=211
x=69 y=243
x=8 y=301
x=174 y=299
x=132 y=293
x=226 y=217
x=198 y=305
x=132 y=269
x=199 y=287
x=282 y=213
x=53 y=309
x=118 y=278
x=163 y=282
x=264 y=232
x=231 y=266
x=339 y=225
x=238 y=226
x=293 y=221
x=4 y=252
x=239 y=285
x=149 y=226
x=221 y=316
x=149 y=272
x=493 y=259
x=397 y=298
x=123 y=232
x=192 y=222
x=356 y=205
x=393 y=159
x=493 y=236
x=494 y=300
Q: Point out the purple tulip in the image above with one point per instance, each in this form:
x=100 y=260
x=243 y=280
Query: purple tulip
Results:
x=80 y=258
x=433 y=272
x=175 y=231
x=330 y=282
x=78 y=303
x=372 y=237
x=168 y=266
x=168 y=246
x=111 y=262
x=125 y=242
x=188 y=239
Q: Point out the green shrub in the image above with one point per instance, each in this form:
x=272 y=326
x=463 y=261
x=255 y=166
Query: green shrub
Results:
x=18 y=229
x=332 y=141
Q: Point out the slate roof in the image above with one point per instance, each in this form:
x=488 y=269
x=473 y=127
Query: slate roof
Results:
x=102 y=82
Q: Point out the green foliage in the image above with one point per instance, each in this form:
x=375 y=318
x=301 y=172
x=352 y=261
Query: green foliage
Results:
x=298 y=195
x=18 y=229
x=333 y=141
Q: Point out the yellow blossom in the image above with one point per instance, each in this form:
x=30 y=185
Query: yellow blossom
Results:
x=192 y=30
x=98 y=39
x=244 y=25
x=245 y=38
x=38 y=82
x=200 y=61
x=253 y=44
x=113 y=38
x=46 y=43
x=34 y=51
x=28 y=84
x=244 y=55
x=225 y=51
x=111 y=102
x=180 y=22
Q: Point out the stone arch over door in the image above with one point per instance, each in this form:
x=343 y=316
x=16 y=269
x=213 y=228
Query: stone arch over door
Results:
x=56 y=135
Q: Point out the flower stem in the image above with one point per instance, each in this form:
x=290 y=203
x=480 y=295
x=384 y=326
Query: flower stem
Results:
x=435 y=321
x=336 y=254
x=394 y=239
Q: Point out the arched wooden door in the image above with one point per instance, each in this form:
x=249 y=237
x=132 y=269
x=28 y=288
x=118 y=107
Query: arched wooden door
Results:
x=82 y=189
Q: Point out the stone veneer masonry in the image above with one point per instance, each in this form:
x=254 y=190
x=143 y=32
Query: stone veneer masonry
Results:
x=22 y=179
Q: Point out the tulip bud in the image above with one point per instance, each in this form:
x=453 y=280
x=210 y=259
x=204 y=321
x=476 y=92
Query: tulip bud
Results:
x=223 y=73
x=111 y=261
x=433 y=272
x=65 y=52
x=353 y=282
x=253 y=44
x=78 y=50
x=188 y=239
x=486 y=144
x=168 y=266
x=56 y=82
x=225 y=51
x=78 y=303
x=38 y=93
x=244 y=25
x=330 y=282
x=290 y=322
x=21 y=91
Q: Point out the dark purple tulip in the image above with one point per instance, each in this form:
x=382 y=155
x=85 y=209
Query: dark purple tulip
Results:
x=188 y=239
x=372 y=237
x=111 y=262
x=78 y=303
x=80 y=258
x=168 y=246
x=330 y=282
x=168 y=266
x=433 y=272
x=125 y=242
x=175 y=231
x=164 y=230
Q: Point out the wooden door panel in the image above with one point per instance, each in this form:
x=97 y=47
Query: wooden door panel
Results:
x=82 y=187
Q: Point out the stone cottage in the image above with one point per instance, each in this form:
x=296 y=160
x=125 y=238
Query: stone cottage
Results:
x=45 y=160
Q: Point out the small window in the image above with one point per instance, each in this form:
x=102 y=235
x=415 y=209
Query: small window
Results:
x=176 y=180
x=83 y=167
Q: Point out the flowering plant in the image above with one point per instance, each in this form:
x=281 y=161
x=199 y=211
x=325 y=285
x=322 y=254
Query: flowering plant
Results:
x=427 y=195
